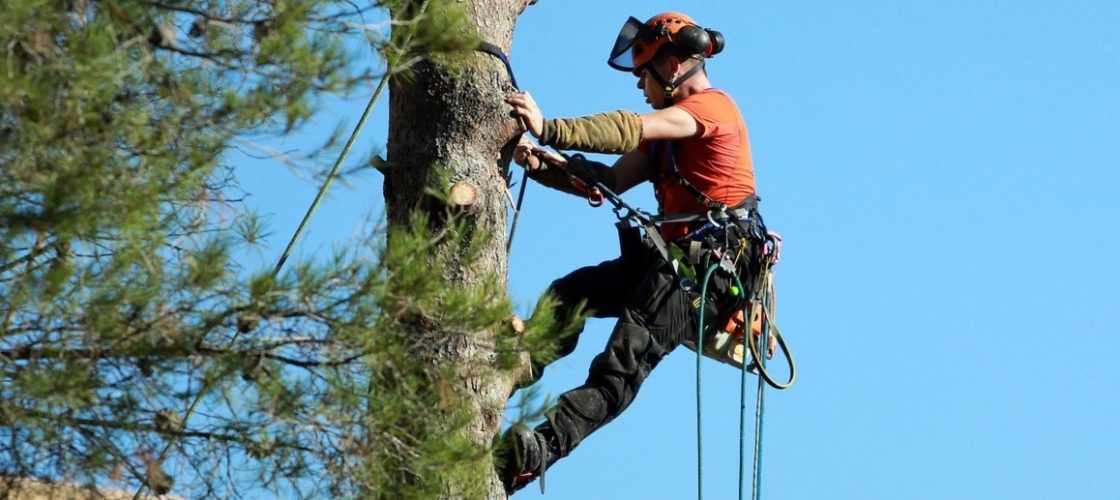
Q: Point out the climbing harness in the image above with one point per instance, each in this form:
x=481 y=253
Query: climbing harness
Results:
x=718 y=223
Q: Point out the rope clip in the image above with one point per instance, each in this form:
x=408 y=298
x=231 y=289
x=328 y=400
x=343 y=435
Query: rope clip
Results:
x=594 y=197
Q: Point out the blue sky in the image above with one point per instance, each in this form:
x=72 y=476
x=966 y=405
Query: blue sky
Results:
x=945 y=175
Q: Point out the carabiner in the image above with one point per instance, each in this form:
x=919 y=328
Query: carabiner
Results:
x=712 y=220
x=772 y=247
x=595 y=197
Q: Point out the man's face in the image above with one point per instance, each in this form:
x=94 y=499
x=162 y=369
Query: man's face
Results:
x=655 y=95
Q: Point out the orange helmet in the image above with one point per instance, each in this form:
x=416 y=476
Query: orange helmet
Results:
x=638 y=42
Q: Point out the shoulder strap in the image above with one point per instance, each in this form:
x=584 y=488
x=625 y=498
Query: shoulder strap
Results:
x=657 y=148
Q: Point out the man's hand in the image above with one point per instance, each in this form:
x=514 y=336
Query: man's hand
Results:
x=526 y=112
x=534 y=157
x=523 y=155
x=550 y=158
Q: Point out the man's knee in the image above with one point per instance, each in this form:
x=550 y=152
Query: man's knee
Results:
x=563 y=296
x=630 y=355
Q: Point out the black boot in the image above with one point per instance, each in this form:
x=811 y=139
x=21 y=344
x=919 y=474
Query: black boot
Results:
x=524 y=456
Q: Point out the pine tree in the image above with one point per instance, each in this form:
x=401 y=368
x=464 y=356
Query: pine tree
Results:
x=450 y=131
x=137 y=353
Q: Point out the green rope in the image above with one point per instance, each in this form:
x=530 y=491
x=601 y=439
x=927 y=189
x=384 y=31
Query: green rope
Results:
x=389 y=71
x=334 y=170
x=699 y=357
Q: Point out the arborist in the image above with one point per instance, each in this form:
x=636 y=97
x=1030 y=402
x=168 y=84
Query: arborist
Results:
x=694 y=149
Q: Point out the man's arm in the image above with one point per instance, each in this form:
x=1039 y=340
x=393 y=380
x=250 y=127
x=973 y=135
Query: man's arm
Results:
x=668 y=124
x=613 y=132
x=630 y=170
x=550 y=169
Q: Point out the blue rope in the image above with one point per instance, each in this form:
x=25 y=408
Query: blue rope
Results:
x=743 y=402
x=756 y=484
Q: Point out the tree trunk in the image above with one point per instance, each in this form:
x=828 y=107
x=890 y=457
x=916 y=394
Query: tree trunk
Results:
x=451 y=129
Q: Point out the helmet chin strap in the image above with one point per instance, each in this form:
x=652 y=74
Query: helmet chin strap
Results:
x=672 y=87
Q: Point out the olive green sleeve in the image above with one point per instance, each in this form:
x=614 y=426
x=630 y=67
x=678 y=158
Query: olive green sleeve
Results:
x=579 y=167
x=614 y=132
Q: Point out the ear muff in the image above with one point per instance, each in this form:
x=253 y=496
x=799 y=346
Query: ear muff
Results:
x=717 y=42
x=693 y=39
x=699 y=41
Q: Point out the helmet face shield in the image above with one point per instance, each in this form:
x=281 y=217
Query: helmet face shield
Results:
x=622 y=57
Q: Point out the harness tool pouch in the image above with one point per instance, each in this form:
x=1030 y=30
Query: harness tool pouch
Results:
x=630 y=245
x=737 y=318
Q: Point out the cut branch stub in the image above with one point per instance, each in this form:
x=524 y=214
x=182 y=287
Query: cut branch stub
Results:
x=463 y=194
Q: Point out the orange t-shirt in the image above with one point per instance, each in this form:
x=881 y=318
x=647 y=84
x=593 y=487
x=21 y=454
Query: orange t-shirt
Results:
x=717 y=160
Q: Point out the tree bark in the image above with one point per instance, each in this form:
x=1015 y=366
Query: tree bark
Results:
x=452 y=128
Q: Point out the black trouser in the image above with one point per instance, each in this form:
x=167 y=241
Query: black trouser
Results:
x=654 y=315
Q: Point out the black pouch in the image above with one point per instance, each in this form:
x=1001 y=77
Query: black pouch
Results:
x=630 y=245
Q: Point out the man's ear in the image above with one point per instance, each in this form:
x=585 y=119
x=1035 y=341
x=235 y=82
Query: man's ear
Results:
x=673 y=65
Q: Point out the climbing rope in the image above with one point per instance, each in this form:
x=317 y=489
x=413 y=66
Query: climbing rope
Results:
x=756 y=480
x=346 y=148
x=699 y=357
x=494 y=50
x=765 y=285
x=334 y=169
x=743 y=421
x=699 y=398
x=517 y=210
x=764 y=300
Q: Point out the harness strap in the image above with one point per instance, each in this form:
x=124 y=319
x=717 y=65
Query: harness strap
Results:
x=668 y=87
x=671 y=169
x=738 y=212
x=654 y=235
